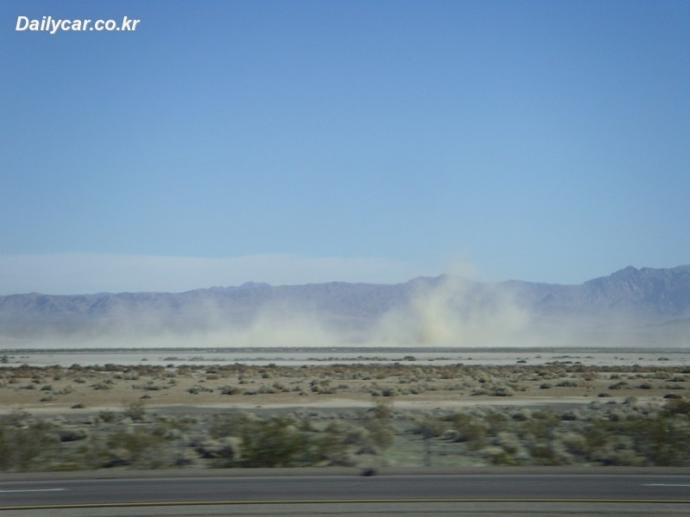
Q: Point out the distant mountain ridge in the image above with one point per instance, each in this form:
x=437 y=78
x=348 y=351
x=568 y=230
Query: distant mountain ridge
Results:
x=644 y=297
x=646 y=293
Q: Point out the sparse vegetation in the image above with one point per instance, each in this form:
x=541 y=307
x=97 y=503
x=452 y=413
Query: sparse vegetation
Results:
x=615 y=429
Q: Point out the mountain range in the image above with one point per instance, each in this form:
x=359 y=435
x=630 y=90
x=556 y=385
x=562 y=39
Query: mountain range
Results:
x=638 y=306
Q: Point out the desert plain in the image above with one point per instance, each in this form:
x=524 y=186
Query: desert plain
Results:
x=367 y=409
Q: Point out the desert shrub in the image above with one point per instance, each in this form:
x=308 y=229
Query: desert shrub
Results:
x=197 y=388
x=332 y=446
x=228 y=390
x=546 y=453
x=278 y=386
x=223 y=453
x=658 y=439
x=471 y=429
x=497 y=422
x=618 y=385
x=430 y=427
x=502 y=391
x=135 y=410
x=380 y=432
x=379 y=425
x=540 y=426
x=25 y=446
x=139 y=448
x=107 y=416
x=232 y=424
x=677 y=407
x=275 y=443
x=382 y=410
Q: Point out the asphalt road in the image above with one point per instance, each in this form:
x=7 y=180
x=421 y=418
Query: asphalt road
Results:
x=667 y=489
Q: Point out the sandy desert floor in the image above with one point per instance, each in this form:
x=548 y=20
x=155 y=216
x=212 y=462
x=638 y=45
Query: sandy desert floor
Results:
x=407 y=385
x=378 y=413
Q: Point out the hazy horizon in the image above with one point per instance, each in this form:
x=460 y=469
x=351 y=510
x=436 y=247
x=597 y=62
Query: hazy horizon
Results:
x=164 y=273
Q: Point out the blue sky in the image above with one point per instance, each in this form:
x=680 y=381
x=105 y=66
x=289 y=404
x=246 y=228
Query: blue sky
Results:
x=536 y=140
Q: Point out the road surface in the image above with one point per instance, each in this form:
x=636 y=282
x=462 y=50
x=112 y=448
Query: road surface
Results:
x=409 y=494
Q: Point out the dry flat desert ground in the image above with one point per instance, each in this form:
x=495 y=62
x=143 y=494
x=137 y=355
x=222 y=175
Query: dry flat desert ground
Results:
x=402 y=410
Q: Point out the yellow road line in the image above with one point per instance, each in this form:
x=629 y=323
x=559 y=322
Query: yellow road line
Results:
x=339 y=501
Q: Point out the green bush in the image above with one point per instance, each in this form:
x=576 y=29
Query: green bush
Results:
x=275 y=443
x=135 y=410
x=26 y=447
x=471 y=428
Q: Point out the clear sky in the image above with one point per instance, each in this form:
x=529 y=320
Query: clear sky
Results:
x=541 y=140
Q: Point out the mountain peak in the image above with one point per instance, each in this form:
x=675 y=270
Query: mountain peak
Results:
x=626 y=272
x=254 y=285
